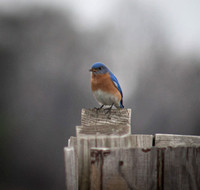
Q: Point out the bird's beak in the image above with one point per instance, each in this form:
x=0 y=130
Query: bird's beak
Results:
x=92 y=70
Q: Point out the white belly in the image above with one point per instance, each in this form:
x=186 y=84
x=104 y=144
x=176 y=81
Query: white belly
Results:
x=104 y=98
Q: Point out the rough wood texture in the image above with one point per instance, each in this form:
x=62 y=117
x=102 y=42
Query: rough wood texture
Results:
x=123 y=169
x=97 y=122
x=104 y=155
x=135 y=168
x=117 y=130
x=92 y=117
x=85 y=144
x=70 y=169
x=181 y=169
x=164 y=140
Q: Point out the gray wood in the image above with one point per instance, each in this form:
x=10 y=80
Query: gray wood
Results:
x=116 y=130
x=181 y=169
x=164 y=140
x=84 y=144
x=70 y=169
x=123 y=169
x=104 y=155
x=135 y=168
x=92 y=117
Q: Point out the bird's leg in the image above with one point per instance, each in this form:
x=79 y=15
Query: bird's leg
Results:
x=109 y=109
x=98 y=108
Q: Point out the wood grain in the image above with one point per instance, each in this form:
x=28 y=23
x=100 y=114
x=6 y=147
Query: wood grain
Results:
x=70 y=169
x=181 y=168
x=104 y=155
x=123 y=169
x=84 y=144
x=165 y=140
x=92 y=117
x=97 y=130
x=155 y=168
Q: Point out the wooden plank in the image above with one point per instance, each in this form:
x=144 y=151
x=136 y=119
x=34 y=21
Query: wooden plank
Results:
x=92 y=117
x=84 y=144
x=96 y=167
x=93 y=122
x=72 y=142
x=115 y=130
x=135 y=168
x=181 y=168
x=164 y=140
x=71 y=169
x=123 y=169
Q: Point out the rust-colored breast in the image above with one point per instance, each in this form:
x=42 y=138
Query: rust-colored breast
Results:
x=103 y=82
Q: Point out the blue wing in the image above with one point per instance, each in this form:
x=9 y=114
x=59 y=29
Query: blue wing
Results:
x=116 y=83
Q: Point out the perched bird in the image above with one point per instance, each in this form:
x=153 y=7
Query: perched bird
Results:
x=105 y=87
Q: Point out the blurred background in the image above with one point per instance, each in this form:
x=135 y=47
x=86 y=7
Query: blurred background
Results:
x=46 y=50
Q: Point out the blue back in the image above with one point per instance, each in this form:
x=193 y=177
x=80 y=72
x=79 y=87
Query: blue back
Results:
x=115 y=81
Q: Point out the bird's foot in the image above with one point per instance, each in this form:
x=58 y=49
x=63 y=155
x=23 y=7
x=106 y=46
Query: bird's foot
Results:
x=109 y=109
x=97 y=109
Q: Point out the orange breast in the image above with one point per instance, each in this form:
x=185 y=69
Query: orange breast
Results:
x=103 y=82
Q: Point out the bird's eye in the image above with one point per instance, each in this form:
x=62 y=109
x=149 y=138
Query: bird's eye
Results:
x=100 y=68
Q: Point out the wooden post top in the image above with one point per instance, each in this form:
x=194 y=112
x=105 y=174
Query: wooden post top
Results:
x=91 y=117
x=98 y=122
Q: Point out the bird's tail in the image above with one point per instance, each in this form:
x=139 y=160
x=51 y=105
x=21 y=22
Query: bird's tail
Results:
x=121 y=104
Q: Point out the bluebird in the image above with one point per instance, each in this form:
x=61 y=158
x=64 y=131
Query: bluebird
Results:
x=105 y=87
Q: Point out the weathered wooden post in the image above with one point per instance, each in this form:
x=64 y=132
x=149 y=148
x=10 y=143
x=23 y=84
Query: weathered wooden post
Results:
x=105 y=155
x=98 y=130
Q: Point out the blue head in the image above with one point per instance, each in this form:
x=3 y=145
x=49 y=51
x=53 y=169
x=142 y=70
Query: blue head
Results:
x=99 y=68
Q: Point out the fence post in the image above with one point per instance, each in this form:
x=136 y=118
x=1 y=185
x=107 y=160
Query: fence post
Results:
x=105 y=155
